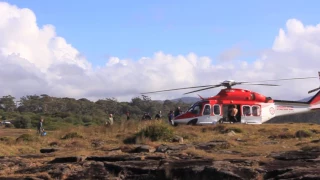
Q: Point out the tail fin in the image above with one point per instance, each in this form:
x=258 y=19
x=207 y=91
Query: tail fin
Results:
x=315 y=99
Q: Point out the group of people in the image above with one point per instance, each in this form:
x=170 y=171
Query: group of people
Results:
x=109 y=120
x=233 y=111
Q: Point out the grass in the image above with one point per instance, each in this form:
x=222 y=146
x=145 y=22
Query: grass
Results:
x=97 y=140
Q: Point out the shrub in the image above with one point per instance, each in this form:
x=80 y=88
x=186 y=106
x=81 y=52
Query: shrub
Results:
x=22 y=122
x=154 y=132
x=303 y=134
x=157 y=132
x=26 y=137
x=9 y=126
x=5 y=139
x=72 y=135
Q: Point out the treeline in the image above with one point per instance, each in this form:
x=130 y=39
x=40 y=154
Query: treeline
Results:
x=26 y=112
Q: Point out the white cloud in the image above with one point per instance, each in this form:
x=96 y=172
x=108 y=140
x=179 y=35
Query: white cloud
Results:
x=230 y=54
x=34 y=60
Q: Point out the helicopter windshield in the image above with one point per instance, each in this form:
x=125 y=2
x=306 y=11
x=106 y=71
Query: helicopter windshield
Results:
x=191 y=107
x=195 y=108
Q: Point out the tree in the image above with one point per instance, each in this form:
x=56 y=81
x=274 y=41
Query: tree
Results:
x=23 y=122
x=7 y=103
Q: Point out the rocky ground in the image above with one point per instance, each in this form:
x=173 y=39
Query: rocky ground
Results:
x=165 y=162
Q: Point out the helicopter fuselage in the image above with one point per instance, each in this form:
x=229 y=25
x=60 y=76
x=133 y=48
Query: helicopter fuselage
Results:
x=253 y=108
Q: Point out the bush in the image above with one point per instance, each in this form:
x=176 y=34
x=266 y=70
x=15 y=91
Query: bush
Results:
x=157 y=132
x=5 y=139
x=9 y=126
x=23 y=122
x=154 y=132
x=26 y=137
x=303 y=134
x=72 y=135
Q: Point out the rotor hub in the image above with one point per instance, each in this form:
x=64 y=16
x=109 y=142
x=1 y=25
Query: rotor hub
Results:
x=228 y=83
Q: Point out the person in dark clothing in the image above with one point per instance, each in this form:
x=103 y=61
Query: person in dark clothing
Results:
x=158 y=115
x=170 y=117
x=146 y=116
x=128 y=116
x=177 y=112
x=40 y=127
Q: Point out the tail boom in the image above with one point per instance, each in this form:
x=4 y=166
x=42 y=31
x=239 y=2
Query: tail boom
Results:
x=296 y=107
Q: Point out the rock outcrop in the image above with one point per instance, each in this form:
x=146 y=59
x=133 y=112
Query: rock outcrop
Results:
x=164 y=162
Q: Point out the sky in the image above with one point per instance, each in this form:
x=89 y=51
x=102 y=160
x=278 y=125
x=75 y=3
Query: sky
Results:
x=100 y=49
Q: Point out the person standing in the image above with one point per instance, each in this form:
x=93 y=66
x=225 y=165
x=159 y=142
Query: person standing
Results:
x=158 y=115
x=177 y=112
x=233 y=113
x=170 y=117
x=110 y=120
x=40 y=127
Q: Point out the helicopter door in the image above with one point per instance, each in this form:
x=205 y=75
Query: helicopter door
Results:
x=225 y=112
x=206 y=115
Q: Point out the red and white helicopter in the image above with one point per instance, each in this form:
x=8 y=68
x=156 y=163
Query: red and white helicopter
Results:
x=253 y=108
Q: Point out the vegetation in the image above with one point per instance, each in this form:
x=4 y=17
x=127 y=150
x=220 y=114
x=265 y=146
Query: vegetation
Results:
x=65 y=112
x=156 y=132
x=247 y=140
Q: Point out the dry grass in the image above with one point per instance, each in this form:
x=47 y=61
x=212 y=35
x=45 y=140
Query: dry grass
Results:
x=259 y=140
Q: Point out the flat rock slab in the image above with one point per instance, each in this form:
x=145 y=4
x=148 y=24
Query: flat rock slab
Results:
x=216 y=144
x=296 y=155
x=114 y=158
x=48 y=150
x=68 y=159
x=173 y=148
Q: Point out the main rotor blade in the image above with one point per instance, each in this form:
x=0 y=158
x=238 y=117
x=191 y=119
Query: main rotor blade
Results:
x=313 y=90
x=203 y=89
x=282 y=79
x=262 y=84
x=177 y=89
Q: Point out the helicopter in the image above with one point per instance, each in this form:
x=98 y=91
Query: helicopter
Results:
x=252 y=107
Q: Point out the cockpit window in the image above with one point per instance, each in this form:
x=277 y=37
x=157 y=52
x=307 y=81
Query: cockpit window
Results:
x=195 y=109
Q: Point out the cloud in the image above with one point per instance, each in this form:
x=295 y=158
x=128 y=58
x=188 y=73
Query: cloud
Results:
x=230 y=54
x=35 y=60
